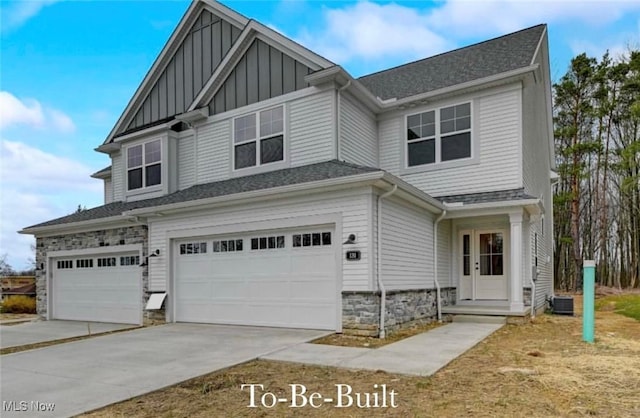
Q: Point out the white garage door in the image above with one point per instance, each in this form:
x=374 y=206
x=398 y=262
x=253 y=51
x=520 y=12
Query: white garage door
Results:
x=101 y=288
x=280 y=279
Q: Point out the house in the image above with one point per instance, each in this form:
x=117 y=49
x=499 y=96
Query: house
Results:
x=17 y=286
x=255 y=182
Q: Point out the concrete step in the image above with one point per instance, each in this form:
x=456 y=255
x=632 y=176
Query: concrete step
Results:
x=480 y=319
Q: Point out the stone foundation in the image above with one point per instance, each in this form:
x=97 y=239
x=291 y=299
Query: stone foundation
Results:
x=404 y=308
x=94 y=239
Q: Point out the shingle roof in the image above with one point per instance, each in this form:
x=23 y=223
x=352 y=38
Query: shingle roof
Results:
x=486 y=197
x=495 y=56
x=315 y=172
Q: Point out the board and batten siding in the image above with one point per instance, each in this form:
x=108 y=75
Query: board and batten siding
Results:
x=353 y=205
x=312 y=128
x=186 y=162
x=358 y=134
x=118 y=173
x=202 y=50
x=407 y=246
x=262 y=73
x=497 y=127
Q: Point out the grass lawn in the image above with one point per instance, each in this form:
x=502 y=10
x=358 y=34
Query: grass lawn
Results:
x=539 y=369
x=627 y=305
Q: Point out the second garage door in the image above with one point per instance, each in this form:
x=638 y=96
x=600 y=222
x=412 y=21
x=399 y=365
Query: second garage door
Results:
x=101 y=288
x=280 y=279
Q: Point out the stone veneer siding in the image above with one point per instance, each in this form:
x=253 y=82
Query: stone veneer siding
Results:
x=526 y=296
x=361 y=310
x=82 y=240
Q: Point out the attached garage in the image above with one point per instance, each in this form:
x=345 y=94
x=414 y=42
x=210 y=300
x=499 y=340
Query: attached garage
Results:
x=281 y=278
x=104 y=287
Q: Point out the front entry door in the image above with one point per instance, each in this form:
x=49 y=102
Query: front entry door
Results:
x=483 y=265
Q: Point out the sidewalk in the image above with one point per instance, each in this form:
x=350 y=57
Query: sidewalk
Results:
x=420 y=355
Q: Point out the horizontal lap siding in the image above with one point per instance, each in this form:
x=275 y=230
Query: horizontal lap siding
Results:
x=186 y=163
x=355 y=220
x=118 y=176
x=358 y=134
x=312 y=129
x=407 y=247
x=444 y=254
x=497 y=127
x=213 y=151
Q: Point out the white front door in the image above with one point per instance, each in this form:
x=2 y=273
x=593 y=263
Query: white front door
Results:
x=483 y=265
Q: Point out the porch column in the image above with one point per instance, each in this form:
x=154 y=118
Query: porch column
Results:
x=515 y=257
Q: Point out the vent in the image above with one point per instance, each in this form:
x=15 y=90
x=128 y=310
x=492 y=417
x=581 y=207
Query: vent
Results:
x=563 y=305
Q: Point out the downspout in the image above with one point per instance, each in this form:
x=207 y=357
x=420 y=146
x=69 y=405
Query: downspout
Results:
x=435 y=264
x=534 y=273
x=338 y=121
x=383 y=291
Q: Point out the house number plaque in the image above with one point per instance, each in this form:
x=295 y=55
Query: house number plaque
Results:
x=353 y=255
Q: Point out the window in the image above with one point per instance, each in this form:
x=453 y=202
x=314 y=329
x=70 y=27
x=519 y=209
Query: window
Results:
x=491 y=255
x=144 y=166
x=227 y=245
x=439 y=135
x=193 y=248
x=107 y=262
x=258 y=138
x=65 y=264
x=264 y=243
x=131 y=260
x=315 y=239
x=84 y=263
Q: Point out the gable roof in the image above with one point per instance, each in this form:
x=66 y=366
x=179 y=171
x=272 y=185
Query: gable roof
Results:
x=499 y=55
x=289 y=176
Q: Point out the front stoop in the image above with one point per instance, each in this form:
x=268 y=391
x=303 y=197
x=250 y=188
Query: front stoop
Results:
x=480 y=319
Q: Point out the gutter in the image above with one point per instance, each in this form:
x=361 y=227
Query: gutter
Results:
x=80 y=225
x=435 y=264
x=383 y=291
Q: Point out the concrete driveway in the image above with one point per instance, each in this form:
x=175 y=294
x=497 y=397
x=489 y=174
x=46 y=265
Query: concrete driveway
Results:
x=83 y=375
x=43 y=331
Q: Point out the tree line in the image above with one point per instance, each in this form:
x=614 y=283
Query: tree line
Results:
x=597 y=145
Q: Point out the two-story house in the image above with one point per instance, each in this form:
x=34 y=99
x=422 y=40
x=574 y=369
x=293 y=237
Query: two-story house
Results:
x=254 y=182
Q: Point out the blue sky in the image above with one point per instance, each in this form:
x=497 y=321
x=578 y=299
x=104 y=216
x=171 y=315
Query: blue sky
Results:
x=69 y=68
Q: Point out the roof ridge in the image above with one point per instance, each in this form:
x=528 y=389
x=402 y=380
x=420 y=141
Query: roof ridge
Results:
x=453 y=50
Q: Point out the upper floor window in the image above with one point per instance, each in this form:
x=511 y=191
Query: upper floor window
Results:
x=439 y=135
x=144 y=165
x=258 y=138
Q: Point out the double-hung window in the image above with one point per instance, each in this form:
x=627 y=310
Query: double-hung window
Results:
x=144 y=165
x=258 y=138
x=440 y=135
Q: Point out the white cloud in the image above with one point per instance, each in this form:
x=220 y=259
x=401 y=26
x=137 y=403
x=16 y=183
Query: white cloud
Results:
x=37 y=186
x=373 y=31
x=30 y=112
x=464 y=17
x=20 y=12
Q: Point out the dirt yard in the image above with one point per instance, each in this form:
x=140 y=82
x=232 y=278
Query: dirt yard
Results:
x=540 y=369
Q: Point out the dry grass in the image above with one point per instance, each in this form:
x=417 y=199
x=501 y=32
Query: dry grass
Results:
x=15 y=316
x=539 y=369
x=373 y=342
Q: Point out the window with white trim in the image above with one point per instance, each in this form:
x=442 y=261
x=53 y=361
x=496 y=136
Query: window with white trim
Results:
x=258 y=138
x=315 y=239
x=193 y=248
x=227 y=245
x=84 y=263
x=107 y=262
x=130 y=260
x=144 y=165
x=438 y=136
x=65 y=264
x=265 y=243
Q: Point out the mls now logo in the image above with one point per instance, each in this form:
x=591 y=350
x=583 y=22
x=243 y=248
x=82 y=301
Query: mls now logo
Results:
x=24 y=406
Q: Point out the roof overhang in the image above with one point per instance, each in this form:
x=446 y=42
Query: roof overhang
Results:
x=109 y=148
x=534 y=207
x=105 y=173
x=379 y=179
x=82 y=226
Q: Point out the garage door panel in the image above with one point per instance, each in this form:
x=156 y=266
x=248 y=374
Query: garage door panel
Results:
x=101 y=294
x=288 y=287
